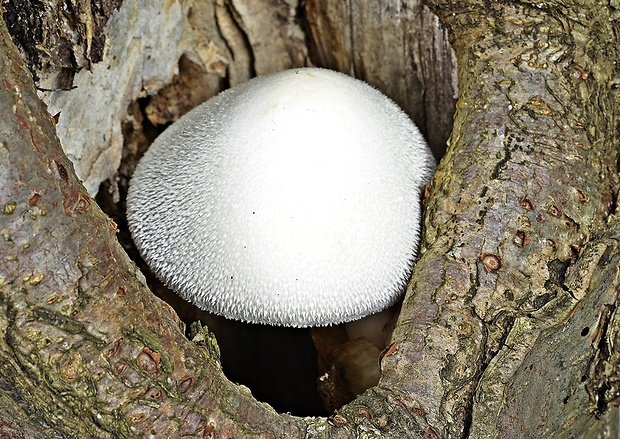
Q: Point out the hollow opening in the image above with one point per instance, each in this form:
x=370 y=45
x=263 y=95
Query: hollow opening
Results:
x=279 y=365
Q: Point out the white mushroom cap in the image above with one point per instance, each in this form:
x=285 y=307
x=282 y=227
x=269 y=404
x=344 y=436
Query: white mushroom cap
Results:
x=292 y=199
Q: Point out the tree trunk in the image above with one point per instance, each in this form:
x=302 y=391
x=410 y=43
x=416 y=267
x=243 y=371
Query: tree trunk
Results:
x=509 y=326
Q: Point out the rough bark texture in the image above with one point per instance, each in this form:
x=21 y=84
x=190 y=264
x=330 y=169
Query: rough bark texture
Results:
x=504 y=322
x=63 y=37
x=509 y=327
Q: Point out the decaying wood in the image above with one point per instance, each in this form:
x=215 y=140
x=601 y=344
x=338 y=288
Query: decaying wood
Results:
x=222 y=42
x=59 y=37
x=509 y=327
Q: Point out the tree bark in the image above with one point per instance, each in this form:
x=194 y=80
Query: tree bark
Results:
x=509 y=326
x=502 y=322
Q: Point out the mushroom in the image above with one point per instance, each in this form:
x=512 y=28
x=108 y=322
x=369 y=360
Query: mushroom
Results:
x=292 y=199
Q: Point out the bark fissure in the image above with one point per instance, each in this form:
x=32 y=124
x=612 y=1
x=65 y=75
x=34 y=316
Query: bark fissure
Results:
x=241 y=35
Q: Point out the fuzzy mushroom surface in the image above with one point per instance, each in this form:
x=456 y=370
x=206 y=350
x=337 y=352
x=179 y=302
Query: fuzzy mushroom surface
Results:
x=292 y=199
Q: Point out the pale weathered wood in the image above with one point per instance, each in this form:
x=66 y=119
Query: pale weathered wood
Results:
x=225 y=41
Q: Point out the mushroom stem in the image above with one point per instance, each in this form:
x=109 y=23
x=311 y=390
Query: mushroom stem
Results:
x=376 y=328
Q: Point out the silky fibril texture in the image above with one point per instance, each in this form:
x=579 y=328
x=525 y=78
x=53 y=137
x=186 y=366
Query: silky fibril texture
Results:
x=292 y=199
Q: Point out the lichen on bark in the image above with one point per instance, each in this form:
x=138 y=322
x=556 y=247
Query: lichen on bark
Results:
x=528 y=181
